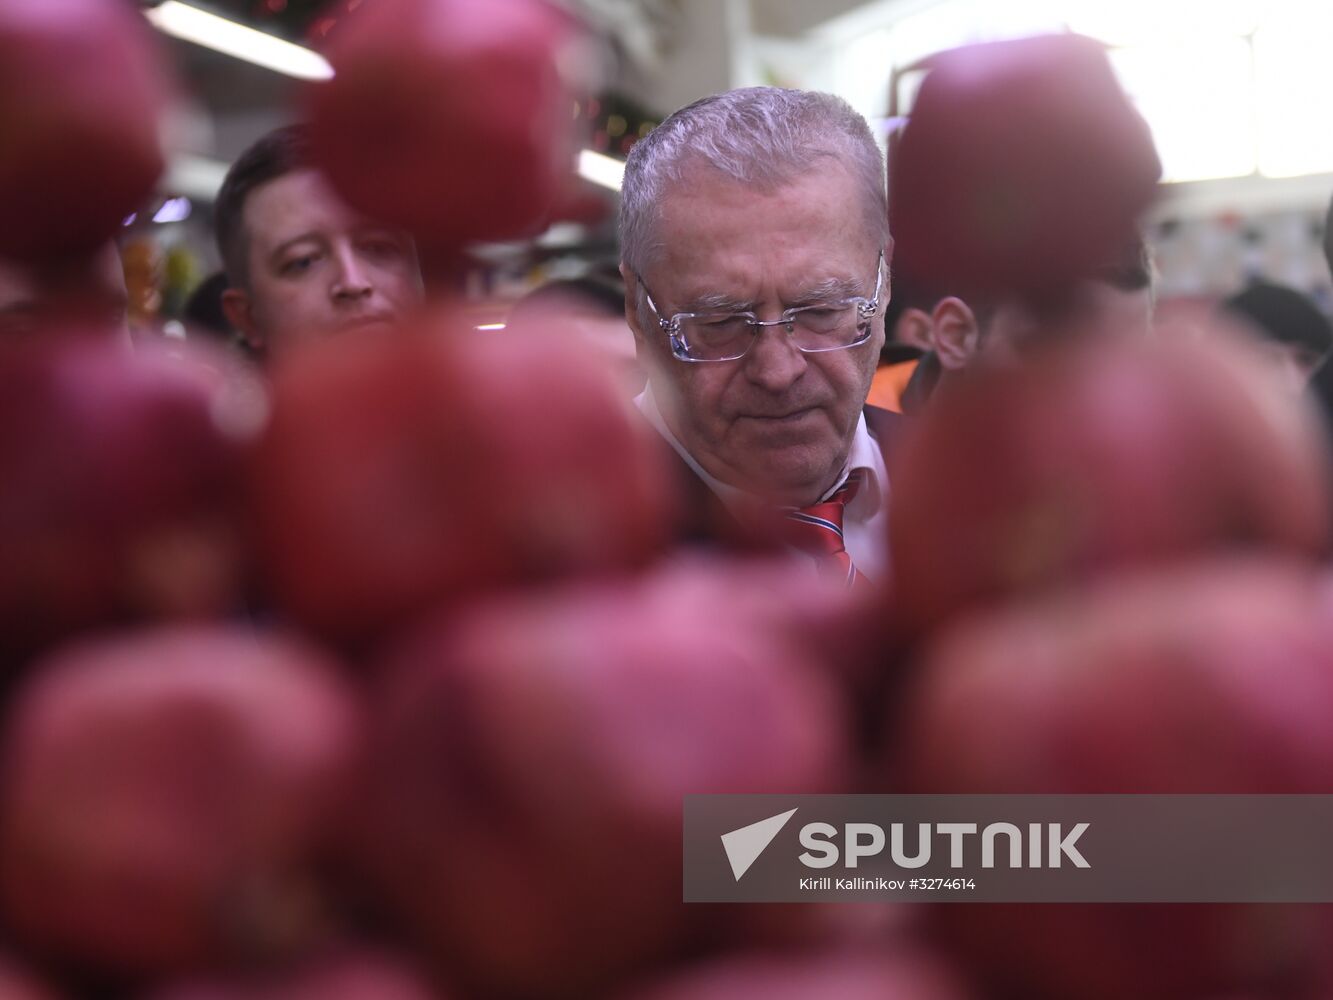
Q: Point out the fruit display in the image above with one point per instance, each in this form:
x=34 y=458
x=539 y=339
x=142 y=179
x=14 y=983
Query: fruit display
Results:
x=385 y=673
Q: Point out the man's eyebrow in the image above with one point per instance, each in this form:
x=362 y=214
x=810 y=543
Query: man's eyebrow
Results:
x=829 y=290
x=716 y=302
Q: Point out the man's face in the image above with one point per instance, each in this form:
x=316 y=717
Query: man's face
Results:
x=87 y=290
x=315 y=266
x=776 y=422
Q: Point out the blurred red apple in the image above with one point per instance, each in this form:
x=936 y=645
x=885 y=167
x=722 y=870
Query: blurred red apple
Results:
x=164 y=794
x=1211 y=678
x=1095 y=458
x=81 y=92
x=448 y=117
x=524 y=808
x=401 y=472
x=122 y=484
x=1023 y=165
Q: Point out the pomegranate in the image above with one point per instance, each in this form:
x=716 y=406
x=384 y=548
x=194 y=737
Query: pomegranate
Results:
x=81 y=90
x=524 y=809
x=1216 y=677
x=1096 y=457
x=122 y=476
x=401 y=472
x=448 y=117
x=165 y=794
x=1023 y=165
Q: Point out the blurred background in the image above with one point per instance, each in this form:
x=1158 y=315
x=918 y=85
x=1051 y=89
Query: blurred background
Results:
x=1227 y=87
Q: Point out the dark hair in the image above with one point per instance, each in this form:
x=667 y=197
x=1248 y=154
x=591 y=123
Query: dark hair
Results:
x=277 y=153
x=907 y=292
x=1284 y=315
x=203 y=309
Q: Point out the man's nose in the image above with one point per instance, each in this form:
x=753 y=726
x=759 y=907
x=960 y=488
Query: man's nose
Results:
x=353 y=278
x=774 y=361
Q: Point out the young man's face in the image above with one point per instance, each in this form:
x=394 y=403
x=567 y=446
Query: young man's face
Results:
x=315 y=266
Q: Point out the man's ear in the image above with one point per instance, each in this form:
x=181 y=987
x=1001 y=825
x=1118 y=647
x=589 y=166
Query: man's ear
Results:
x=239 y=311
x=632 y=305
x=955 y=332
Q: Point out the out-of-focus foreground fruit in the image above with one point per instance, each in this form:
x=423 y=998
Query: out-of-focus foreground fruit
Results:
x=165 y=795
x=831 y=976
x=355 y=975
x=1216 y=677
x=122 y=485
x=523 y=813
x=1023 y=165
x=406 y=471
x=81 y=93
x=1021 y=479
x=448 y=117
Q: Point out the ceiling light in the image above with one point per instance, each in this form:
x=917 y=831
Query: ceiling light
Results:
x=199 y=26
x=601 y=169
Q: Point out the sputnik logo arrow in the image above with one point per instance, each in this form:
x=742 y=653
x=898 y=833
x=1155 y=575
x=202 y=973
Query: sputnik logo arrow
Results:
x=744 y=846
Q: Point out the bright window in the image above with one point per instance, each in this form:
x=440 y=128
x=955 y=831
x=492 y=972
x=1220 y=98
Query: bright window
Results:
x=1197 y=97
x=1230 y=88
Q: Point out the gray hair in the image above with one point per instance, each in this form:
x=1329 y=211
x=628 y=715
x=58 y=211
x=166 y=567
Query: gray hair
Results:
x=761 y=136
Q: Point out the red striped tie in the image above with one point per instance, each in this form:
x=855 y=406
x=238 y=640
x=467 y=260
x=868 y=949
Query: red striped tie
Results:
x=817 y=529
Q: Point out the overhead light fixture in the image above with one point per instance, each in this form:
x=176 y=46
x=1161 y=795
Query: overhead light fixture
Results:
x=191 y=24
x=601 y=169
x=173 y=210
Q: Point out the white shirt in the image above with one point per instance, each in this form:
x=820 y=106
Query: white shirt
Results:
x=865 y=523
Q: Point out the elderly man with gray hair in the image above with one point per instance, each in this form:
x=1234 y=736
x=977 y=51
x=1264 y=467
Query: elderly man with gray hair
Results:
x=755 y=249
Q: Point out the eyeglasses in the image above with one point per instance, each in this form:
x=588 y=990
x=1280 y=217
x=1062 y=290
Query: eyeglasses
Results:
x=727 y=336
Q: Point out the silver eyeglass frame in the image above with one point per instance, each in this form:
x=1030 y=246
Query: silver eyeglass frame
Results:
x=866 y=310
